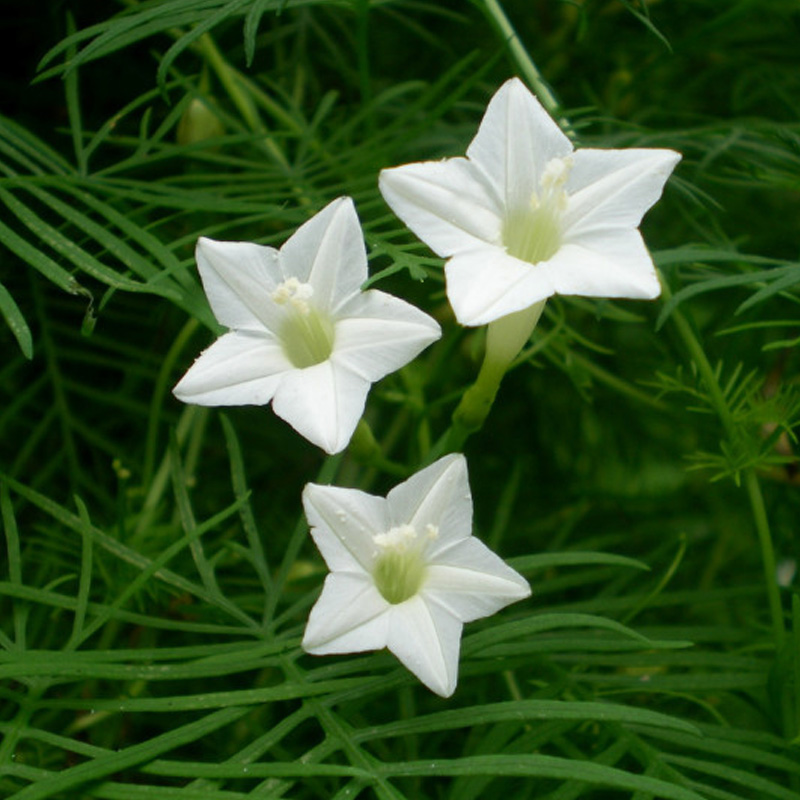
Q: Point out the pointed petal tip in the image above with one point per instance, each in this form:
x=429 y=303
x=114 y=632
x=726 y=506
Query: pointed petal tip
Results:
x=343 y=205
x=516 y=85
x=205 y=249
x=525 y=590
x=646 y=286
x=309 y=644
x=206 y=241
x=329 y=441
x=445 y=689
x=652 y=292
x=666 y=159
x=388 y=174
x=230 y=248
x=179 y=391
x=208 y=246
x=322 y=403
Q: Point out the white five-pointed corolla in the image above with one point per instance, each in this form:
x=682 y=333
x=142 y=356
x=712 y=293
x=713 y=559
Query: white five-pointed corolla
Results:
x=525 y=215
x=302 y=334
x=406 y=571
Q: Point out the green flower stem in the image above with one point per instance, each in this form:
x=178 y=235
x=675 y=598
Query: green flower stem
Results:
x=505 y=338
x=795 y=672
x=767 y=553
x=365 y=449
x=751 y=482
x=497 y=17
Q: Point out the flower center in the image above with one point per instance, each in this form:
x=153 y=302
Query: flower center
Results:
x=533 y=234
x=400 y=567
x=306 y=333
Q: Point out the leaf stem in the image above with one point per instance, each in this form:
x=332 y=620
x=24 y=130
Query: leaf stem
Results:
x=767 y=552
x=751 y=482
x=526 y=65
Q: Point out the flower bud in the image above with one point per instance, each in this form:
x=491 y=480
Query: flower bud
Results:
x=198 y=123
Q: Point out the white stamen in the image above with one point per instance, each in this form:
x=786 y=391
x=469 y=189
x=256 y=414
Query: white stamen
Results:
x=556 y=172
x=552 y=183
x=295 y=293
x=397 y=539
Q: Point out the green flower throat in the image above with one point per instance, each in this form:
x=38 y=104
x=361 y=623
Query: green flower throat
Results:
x=306 y=334
x=400 y=567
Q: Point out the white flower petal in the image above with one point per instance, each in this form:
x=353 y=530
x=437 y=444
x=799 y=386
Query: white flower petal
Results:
x=426 y=639
x=238 y=278
x=349 y=617
x=308 y=289
x=472 y=582
x=439 y=496
x=484 y=285
x=612 y=263
x=461 y=579
x=523 y=189
x=328 y=252
x=614 y=188
x=446 y=203
x=515 y=140
x=379 y=333
x=322 y=403
x=240 y=368
x=343 y=522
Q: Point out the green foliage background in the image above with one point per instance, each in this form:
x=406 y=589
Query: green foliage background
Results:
x=639 y=466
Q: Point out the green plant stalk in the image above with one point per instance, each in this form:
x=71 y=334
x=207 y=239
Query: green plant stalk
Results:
x=796 y=665
x=228 y=79
x=365 y=448
x=505 y=338
x=231 y=81
x=752 y=484
x=497 y=16
x=767 y=552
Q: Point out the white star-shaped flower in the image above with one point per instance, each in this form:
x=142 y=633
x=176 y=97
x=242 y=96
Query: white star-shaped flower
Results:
x=302 y=334
x=525 y=215
x=406 y=571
